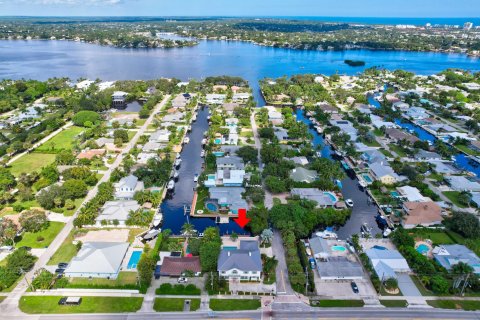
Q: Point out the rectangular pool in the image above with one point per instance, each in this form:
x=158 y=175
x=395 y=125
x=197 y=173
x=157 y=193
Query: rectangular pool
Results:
x=134 y=258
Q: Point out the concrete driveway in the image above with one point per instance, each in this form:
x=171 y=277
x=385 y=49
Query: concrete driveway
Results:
x=406 y=285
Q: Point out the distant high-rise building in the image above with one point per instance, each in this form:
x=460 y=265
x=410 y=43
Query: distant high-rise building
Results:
x=468 y=26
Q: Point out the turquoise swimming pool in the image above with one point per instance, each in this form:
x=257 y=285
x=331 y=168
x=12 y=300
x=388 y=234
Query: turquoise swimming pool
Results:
x=230 y=248
x=134 y=258
x=394 y=194
x=218 y=141
x=339 y=248
x=423 y=248
x=211 y=207
x=367 y=178
x=218 y=153
x=331 y=196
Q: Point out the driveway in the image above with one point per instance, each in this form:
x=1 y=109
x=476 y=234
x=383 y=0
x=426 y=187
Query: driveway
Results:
x=254 y=287
x=406 y=285
x=283 y=284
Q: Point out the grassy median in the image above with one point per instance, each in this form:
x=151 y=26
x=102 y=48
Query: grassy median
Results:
x=174 y=304
x=234 y=304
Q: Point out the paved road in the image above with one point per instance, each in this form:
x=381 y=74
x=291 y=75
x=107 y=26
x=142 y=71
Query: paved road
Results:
x=10 y=304
x=39 y=143
x=283 y=284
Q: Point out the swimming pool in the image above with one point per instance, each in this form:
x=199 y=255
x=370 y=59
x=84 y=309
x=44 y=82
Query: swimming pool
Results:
x=229 y=248
x=212 y=206
x=338 y=248
x=218 y=141
x=423 y=249
x=134 y=258
x=394 y=194
x=367 y=178
x=218 y=153
x=331 y=196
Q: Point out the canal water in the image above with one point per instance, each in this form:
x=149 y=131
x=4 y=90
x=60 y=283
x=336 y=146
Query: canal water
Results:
x=461 y=160
x=173 y=207
x=362 y=211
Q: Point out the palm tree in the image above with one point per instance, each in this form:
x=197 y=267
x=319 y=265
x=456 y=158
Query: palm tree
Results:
x=187 y=229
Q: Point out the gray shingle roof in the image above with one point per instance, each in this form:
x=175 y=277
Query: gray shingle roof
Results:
x=247 y=258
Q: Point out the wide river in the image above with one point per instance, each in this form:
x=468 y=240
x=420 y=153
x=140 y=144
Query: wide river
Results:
x=45 y=59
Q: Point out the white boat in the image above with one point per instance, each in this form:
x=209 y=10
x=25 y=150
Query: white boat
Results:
x=349 y=202
x=151 y=234
x=176 y=175
x=204 y=141
x=362 y=183
x=195 y=178
x=319 y=130
x=157 y=219
x=194 y=118
x=202 y=154
x=208 y=118
x=387 y=232
x=453 y=158
x=178 y=156
x=186 y=140
x=189 y=128
x=327 y=235
x=178 y=162
x=205 y=133
x=171 y=185
x=319 y=154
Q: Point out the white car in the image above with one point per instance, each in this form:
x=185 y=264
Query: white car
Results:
x=202 y=154
x=182 y=280
x=195 y=178
x=349 y=202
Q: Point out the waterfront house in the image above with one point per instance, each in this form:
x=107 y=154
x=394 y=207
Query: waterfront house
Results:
x=226 y=178
x=400 y=105
x=411 y=194
x=322 y=198
x=327 y=108
x=215 y=98
x=274 y=116
x=387 y=263
x=227 y=198
x=384 y=173
x=300 y=174
x=443 y=167
x=346 y=127
x=231 y=162
x=280 y=133
x=160 y=136
x=230 y=107
x=449 y=255
x=475 y=145
x=425 y=214
x=178 y=266
x=363 y=108
x=119 y=99
x=151 y=146
x=98 y=260
x=371 y=156
x=427 y=155
x=143 y=157
x=244 y=263
x=127 y=186
x=174 y=117
x=379 y=122
x=301 y=161
x=116 y=210
x=417 y=113
x=241 y=97
x=461 y=183
x=397 y=135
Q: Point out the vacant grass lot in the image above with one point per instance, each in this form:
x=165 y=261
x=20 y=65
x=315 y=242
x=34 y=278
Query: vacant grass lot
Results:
x=125 y=280
x=30 y=239
x=49 y=304
x=31 y=162
x=62 y=141
x=453 y=197
x=437 y=237
x=174 y=304
x=338 y=303
x=394 y=303
x=234 y=304
x=455 y=304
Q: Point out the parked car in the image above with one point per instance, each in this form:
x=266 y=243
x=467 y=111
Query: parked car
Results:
x=349 y=202
x=157 y=271
x=182 y=280
x=62 y=301
x=62 y=265
x=59 y=271
x=195 y=178
x=354 y=287
x=312 y=263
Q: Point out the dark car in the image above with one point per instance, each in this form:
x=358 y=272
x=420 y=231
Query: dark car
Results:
x=158 y=269
x=62 y=265
x=354 y=287
x=59 y=271
x=62 y=301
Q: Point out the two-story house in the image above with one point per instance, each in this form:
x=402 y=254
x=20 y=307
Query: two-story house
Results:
x=127 y=186
x=243 y=263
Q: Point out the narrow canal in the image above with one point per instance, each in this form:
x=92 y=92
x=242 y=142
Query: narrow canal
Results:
x=362 y=211
x=462 y=161
x=173 y=207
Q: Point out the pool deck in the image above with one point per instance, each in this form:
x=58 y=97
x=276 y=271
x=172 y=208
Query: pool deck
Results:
x=125 y=261
x=193 y=211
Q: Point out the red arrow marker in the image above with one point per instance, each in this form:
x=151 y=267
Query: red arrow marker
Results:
x=242 y=219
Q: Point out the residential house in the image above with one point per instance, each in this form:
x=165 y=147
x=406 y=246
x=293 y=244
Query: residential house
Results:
x=346 y=127
x=143 y=157
x=300 y=174
x=384 y=173
x=472 y=86
x=274 y=116
x=116 y=210
x=98 y=260
x=443 y=167
x=226 y=178
x=417 y=113
x=127 y=186
x=411 y=194
x=216 y=98
x=400 y=105
x=363 y=108
x=174 y=117
x=475 y=145
x=160 y=136
x=461 y=183
x=231 y=162
x=230 y=107
x=449 y=255
x=398 y=135
x=177 y=266
x=103 y=141
x=427 y=155
x=151 y=146
x=426 y=213
x=327 y=108
x=241 y=97
x=119 y=99
x=387 y=263
x=90 y=154
x=322 y=198
x=301 y=161
x=244 y=263
x=379 y=122
x=371 y=156
x=280 y=133
x=228 y=198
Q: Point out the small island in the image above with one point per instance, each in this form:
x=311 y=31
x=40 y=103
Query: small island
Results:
x=355 y=63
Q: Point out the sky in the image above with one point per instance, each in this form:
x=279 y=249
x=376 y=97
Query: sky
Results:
x=325 y=8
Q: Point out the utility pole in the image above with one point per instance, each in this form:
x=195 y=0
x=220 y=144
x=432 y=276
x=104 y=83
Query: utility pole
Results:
x=465 y=284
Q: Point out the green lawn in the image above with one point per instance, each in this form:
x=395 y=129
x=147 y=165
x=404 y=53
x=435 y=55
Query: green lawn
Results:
x=49 y=304
x=31 y=162
x=178 y=289
x=373 y=143
x=455 y=304
x=30 y=239
x=453 y=197
x=234 y=304
x=398 y=150
x=174 y=304
x=338 y=303
x=378 y=132
x=62 y=141
x=65 y=253
x=437 y=236
x=77 y=202
x=125 y=280
x=436 y=176
x=467 y=150
x=386 y=153
x=394 y=303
